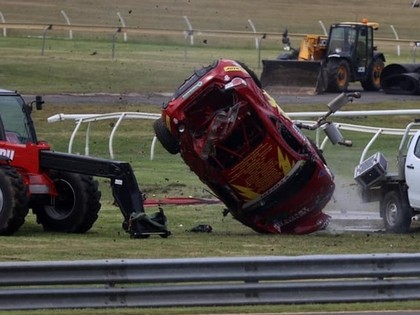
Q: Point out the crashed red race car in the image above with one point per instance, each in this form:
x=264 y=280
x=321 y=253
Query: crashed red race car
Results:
x=241 y=144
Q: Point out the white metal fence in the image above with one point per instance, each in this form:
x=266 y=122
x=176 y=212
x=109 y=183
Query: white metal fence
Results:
x=120 y=116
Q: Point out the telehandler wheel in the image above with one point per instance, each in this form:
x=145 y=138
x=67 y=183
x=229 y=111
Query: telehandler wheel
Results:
x=13 y=201
x=338 y=75
x=396 y=215
x=165 y=137
x=373 y=80
x=75 y=208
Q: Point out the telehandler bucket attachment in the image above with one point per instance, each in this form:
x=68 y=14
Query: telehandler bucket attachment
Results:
x=293 y=77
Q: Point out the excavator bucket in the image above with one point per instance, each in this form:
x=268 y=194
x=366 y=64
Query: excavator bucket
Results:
x=293 y=77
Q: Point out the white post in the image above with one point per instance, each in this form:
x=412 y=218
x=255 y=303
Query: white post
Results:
x=323 y=27
x=3 y=21
x=397 y=38
x=257 y=42
x=190 y=32
x=123 y=24
x=68 y=23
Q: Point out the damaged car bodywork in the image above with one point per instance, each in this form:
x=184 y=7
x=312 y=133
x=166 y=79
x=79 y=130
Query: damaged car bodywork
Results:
x=241 y=144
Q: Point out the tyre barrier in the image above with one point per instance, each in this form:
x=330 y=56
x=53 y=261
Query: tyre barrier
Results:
x=401 y=79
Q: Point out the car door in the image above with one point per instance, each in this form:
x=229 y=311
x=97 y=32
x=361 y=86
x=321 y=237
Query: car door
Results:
x=412 y=171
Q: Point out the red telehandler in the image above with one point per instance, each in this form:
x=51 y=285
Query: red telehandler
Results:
x=59 y=187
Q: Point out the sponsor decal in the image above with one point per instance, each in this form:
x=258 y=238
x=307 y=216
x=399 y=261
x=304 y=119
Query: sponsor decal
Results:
x=7 y=153
x=232 y=68
x=191 y=91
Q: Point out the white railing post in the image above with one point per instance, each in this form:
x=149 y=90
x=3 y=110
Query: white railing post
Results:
x=123 y=25
x=3 y=21
x=397 y=38
x=323 y=27
x=68 y=23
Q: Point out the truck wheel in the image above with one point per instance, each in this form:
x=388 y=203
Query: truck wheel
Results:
x=165 y=137
x=338 y=75
x=75 y=208
x=373 y=80
x=13 y=201
x=396 y=215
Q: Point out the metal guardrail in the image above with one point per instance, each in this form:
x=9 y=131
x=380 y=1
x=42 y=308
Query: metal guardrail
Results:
x=209 y=281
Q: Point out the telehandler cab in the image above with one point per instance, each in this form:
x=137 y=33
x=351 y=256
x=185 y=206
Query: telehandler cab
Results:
x=59 y=187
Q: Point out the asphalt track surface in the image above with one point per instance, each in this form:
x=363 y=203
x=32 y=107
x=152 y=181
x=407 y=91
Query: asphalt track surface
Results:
x=160 y=98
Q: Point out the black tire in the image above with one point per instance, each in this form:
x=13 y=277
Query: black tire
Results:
x=13 y=201
x=76 y=207
x=338 y=75
x=396 y=214
x=251 y=73
x=165 y=137
x=373 y=80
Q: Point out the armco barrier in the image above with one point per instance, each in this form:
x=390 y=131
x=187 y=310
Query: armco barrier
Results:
x=209 y=281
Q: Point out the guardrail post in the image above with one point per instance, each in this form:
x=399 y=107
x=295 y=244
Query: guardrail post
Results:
x=44 y=34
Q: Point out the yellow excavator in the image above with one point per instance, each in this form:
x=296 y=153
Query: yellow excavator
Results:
x=327 y=63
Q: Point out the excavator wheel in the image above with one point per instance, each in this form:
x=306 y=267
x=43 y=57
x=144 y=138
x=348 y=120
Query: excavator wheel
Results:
x=75 y=208
x=13 y=201
x=338 y=75
x=165 y=137
x=373 y=81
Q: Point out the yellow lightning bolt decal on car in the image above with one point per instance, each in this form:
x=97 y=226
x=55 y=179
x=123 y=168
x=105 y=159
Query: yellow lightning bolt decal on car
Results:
x=246 y=192
x=284 y=162
x=273 y=103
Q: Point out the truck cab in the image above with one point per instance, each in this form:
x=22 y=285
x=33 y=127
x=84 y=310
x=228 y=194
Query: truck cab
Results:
x=398 y=193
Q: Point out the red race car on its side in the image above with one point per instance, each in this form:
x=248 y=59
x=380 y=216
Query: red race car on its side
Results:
x=241 y=144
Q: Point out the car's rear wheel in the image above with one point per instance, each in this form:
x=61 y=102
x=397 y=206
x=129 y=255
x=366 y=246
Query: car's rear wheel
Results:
x=165 y=137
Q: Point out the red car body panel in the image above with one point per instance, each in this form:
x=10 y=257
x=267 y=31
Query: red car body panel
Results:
x=240 y=143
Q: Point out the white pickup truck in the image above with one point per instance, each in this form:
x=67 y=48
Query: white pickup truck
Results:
x=398 y=193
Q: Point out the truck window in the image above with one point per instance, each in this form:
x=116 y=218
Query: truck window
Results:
x=417 y=149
